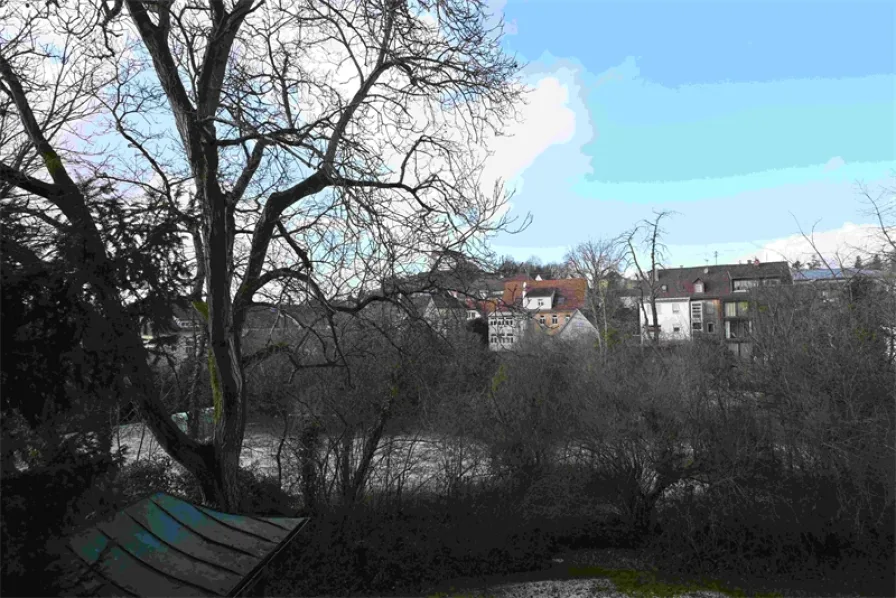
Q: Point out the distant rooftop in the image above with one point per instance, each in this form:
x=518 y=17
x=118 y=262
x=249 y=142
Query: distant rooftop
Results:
x=832 y=274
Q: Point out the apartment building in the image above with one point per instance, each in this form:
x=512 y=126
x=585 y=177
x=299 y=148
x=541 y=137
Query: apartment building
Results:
x=713 y=301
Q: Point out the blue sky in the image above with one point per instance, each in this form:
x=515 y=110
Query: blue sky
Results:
x=748 y=119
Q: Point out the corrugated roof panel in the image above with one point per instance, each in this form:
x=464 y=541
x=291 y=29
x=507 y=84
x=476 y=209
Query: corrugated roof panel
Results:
x=89 y=545
x=210 y=528
x=164 y=546
x=169 y=530
x=161 y=556
x=258 y=528
x=129 y=573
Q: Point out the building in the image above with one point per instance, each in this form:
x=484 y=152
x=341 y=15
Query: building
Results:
x=709 y=301
x=830 y=281
x=442 y=311
x=533 y=305
x=264 y=325
x=577 y=327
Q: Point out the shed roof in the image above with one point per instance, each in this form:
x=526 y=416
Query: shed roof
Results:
x=165 y=546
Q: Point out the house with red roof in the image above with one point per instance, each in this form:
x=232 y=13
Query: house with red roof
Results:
x=527 y=305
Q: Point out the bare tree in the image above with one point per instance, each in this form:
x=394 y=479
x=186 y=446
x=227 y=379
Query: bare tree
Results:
x=313 y=149
x=598 y=262
x=648 y=235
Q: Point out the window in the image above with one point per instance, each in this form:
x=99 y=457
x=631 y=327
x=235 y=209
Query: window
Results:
x=770 y=282
x=554 y=320
x=541 y=303
x=743 y=285
x=697 y=316
x=698 y=287
x=676 y=329
x=541 y=320
x=710 y=328
x=739 y=309
x=567 y=317
x=737 y=329
x=676 y=308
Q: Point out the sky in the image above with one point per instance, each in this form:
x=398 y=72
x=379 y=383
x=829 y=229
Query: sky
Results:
x=751 y=121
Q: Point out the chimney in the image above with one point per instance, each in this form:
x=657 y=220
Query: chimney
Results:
x=756 y=261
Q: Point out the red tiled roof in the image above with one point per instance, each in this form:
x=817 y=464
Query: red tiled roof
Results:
x=570 y=292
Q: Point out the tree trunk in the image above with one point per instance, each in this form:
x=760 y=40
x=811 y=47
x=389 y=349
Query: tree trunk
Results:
x=194 y=413
x=309 y=446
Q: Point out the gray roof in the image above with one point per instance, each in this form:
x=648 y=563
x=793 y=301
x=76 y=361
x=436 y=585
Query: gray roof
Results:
x=717 y=280
x=165 y=546
x=833 y=274
x=444 y=301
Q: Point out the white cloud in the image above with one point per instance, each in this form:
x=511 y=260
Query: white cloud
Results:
x=838 y=245
x=545 y=120
x=834 y=163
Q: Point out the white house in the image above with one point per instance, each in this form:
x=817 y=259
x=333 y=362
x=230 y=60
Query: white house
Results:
x=673 y=318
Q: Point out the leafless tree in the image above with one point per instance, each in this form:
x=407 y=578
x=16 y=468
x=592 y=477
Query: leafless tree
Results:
x=312 y=149
x=598 y=262
x=648 y=236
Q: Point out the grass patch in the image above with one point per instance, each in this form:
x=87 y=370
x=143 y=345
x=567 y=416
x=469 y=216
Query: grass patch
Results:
x=646 y=584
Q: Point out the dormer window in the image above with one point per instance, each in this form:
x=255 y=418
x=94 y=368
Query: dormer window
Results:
x=541 y=303
x=698 y=287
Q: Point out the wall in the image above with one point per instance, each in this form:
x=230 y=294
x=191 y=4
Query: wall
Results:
x=668 y=318
x=579 y=327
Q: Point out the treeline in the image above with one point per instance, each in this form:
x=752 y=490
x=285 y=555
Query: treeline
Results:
x=429 y=457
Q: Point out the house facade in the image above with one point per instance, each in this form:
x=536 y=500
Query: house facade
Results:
x=527 y=306
x=707 y=301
